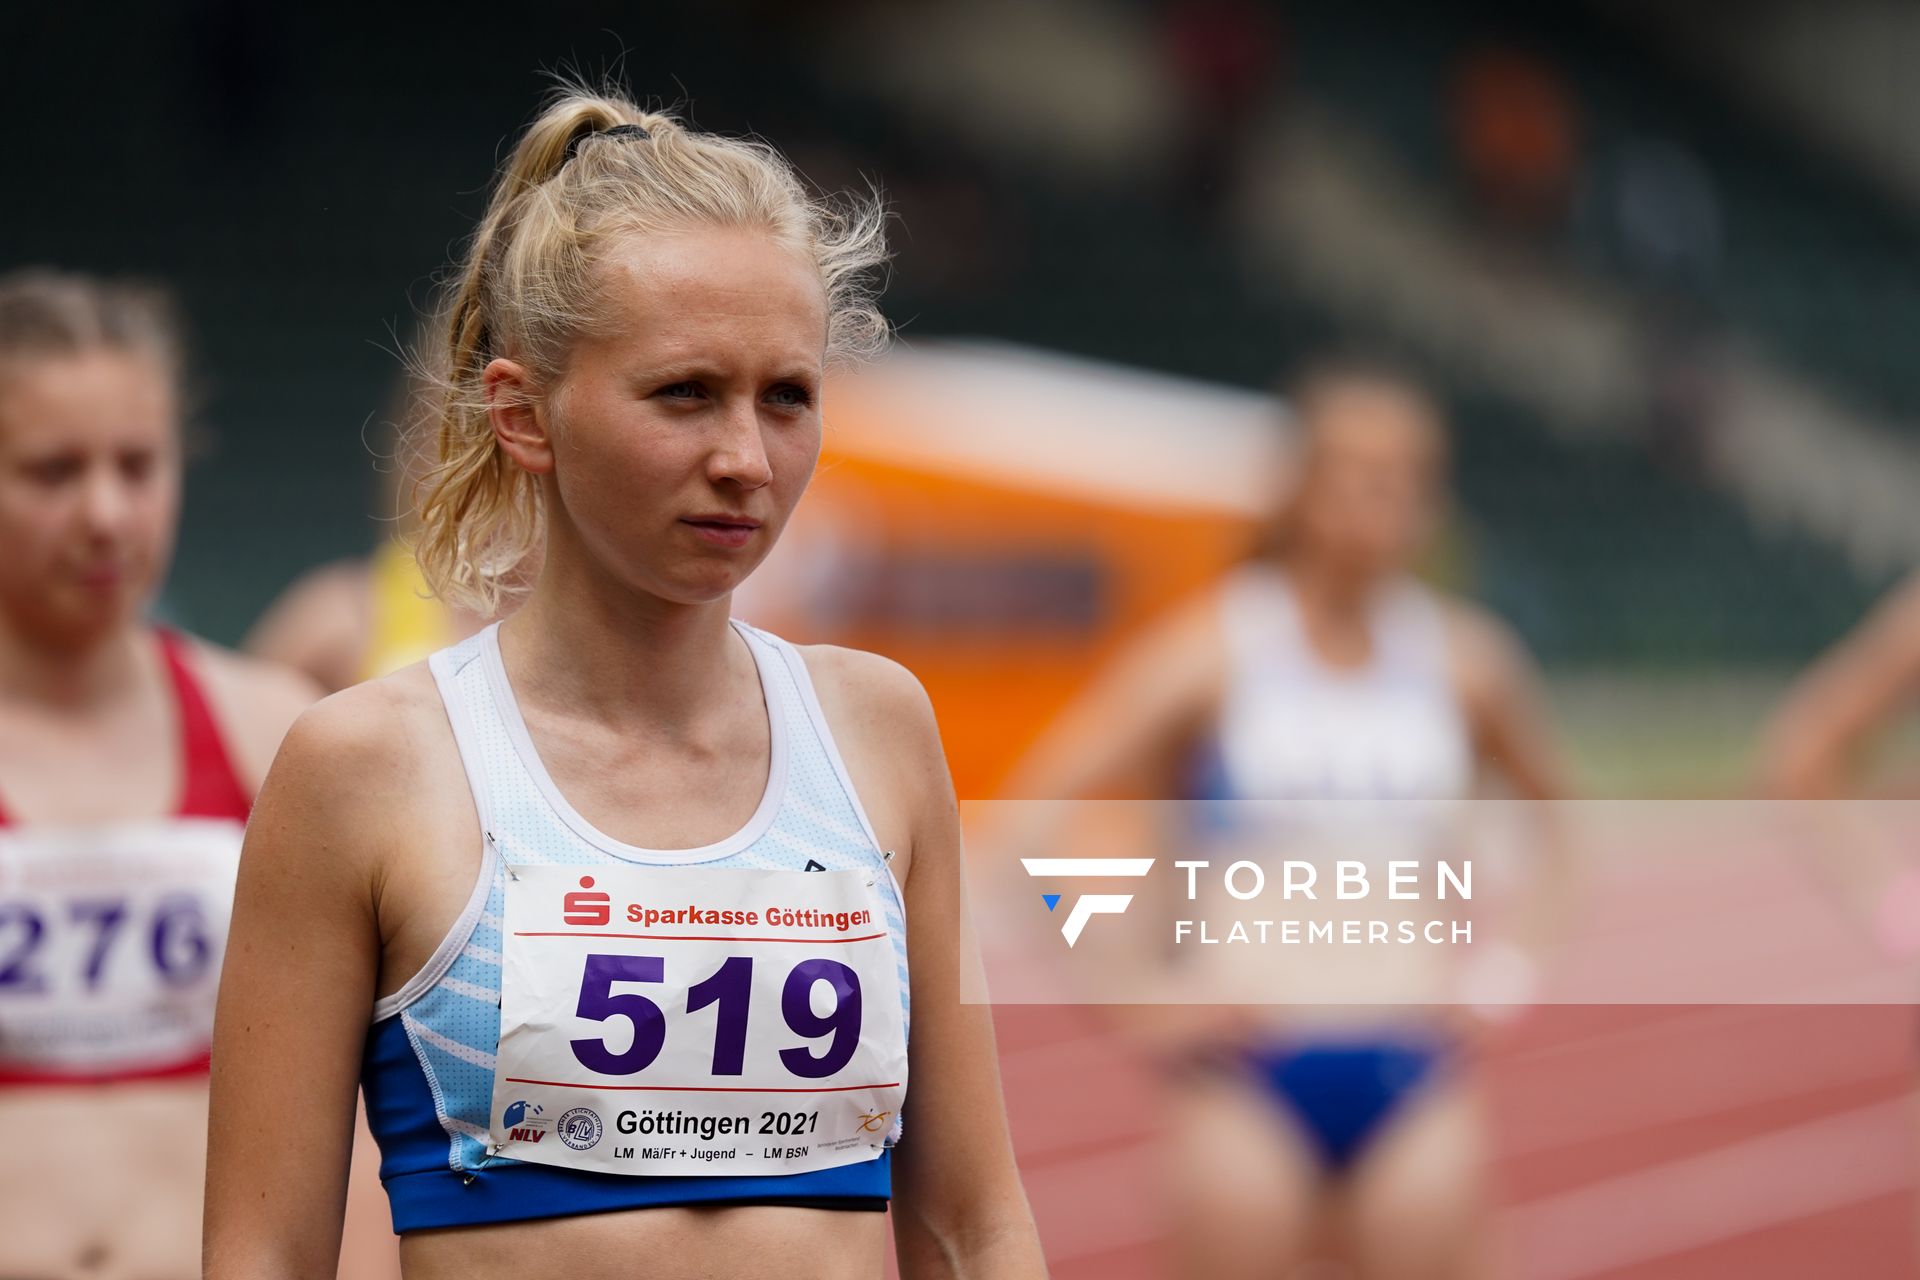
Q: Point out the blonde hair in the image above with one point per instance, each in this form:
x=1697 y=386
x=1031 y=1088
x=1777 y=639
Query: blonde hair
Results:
x=48 y=314
x=527 y=288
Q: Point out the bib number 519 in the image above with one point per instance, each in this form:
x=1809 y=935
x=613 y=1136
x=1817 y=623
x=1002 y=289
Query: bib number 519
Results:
x=728 y=989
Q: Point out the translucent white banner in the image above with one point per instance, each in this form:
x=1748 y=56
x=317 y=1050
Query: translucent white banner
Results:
x=1486 y=904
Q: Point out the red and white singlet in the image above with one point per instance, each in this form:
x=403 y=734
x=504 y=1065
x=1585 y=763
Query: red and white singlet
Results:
x=111 y=935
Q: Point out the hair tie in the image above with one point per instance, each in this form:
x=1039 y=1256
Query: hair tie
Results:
x=633 y=131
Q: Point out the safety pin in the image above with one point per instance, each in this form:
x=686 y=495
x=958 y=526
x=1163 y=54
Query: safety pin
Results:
x=504 y=864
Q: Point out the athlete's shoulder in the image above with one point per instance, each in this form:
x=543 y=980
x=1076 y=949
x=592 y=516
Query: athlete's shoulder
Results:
x=1896 y=620
x=1473 y=625
x=359 y=782
x=884 y=725
x=253 y=702
x=370 y=724
x=870 y=691
x=1479 y=632
x=1488 y=658
x=319 y=625
x=362 y=749
x=335 y=585
x=255 y=685
x=1908 y=595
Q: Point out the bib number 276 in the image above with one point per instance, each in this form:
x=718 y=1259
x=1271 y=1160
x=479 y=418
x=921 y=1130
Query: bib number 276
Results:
x=728 y=989
x=174 y=934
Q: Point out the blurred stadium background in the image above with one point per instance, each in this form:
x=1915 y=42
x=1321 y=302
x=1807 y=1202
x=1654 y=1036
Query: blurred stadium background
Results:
x=1662 y=261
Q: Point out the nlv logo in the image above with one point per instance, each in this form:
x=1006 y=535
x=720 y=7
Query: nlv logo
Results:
x=1086 y=905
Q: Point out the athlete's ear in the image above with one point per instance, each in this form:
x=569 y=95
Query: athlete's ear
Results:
x=518 y=424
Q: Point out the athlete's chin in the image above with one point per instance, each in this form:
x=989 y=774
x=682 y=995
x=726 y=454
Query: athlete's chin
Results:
x=1371 y=564
x=74 y=617
x=703 y=588
x=711 y=578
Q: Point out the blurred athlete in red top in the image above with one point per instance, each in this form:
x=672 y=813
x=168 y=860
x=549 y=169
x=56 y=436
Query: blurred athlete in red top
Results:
x=129 y=755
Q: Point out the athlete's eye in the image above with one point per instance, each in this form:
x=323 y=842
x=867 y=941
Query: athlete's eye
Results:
x=681 y=391
x=52 y=471
x=137 y=466
x=791 y=395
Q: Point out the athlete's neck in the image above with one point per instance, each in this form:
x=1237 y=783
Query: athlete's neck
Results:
x=623 y=658
x=1336 y=611
x=72 y=677
x=1333 y=595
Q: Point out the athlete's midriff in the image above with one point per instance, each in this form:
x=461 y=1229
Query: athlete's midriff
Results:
x=106 y=1181
x=744 y=1242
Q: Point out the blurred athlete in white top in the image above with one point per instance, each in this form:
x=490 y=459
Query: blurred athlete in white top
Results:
x=1320 y=671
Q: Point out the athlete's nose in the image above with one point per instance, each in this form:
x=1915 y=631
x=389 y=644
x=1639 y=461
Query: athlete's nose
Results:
x=105 y=503
x=739 y=453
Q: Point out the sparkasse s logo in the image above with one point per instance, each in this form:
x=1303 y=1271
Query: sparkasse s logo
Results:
x=1087 y=905
x=586 y=908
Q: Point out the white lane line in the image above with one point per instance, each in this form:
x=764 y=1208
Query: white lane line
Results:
x=1622 y=1221
x=1525 y=1128
x=1719 y=1195
x=1673 y=1069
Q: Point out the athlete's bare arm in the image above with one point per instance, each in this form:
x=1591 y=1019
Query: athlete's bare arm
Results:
x=319 y=625
x=1504 y=701
x=1810 y=748
x=1505 y=704
x=958 y=1208
x=301 y=970
x=256 y=702
x=1131 y=733
x=1131 y=736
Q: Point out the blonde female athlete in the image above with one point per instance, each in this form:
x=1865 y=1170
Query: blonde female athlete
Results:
x=1321 y=672
x=606 y=906
x=129 y=755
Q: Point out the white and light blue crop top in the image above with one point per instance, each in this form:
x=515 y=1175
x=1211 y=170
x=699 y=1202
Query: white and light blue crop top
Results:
x=428 y=1070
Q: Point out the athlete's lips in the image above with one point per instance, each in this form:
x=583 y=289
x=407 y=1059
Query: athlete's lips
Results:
x=722 y=529
x=722 y=518
x=102 y=577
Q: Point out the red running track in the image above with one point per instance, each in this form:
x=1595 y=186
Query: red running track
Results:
x=1650 y=1143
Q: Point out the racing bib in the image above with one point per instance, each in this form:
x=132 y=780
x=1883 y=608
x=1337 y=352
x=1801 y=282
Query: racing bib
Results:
x=110 y=945
x=673 y=1020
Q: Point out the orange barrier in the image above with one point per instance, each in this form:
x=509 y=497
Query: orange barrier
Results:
x=999 y=520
